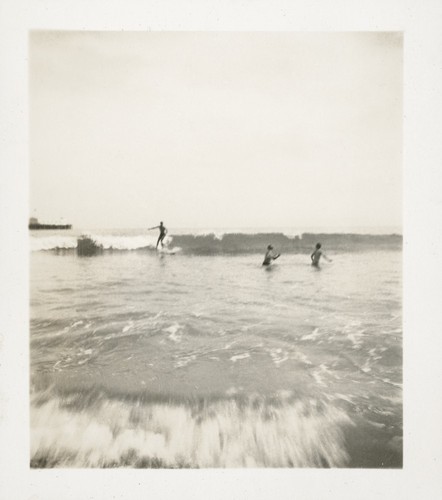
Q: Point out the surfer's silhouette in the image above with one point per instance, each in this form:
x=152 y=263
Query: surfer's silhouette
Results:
x=270 y=256
x=316 y=255
x=163 y=232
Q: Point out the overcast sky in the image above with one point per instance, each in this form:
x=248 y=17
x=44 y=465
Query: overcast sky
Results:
x=214 y=129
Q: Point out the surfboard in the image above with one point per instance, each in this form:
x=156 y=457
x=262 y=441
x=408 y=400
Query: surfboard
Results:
x=168 y=251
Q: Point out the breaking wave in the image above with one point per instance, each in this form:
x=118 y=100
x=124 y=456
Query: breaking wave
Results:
x=91 y=429
x=212 y=244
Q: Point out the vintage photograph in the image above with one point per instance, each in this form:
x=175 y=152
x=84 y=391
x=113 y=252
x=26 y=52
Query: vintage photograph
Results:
x=215 y=235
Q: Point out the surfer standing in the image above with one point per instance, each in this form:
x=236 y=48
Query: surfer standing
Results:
x=316 y=255
x=163 y=232
x=270 y=256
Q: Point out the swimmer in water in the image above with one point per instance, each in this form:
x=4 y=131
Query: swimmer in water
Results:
x=163 y=232
x=316 y=255
x=270 y=256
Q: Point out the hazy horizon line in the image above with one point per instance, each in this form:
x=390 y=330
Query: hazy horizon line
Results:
x=298 y=229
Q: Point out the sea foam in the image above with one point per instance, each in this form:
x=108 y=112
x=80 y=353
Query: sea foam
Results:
x=218 y=243
x=101 y=432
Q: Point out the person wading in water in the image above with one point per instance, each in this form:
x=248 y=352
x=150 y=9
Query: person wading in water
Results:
x=316 y=255
x=270 y=256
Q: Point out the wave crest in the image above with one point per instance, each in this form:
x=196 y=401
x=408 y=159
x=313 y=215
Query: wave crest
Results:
x=227 y=243
x=224 y=432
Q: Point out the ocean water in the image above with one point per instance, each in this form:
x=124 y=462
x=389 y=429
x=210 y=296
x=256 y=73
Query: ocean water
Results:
x=204 y=358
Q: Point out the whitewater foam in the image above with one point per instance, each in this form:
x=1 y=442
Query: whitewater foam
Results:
x=218 y=242
x=105 y=433
x=175 y=332
x=240 y=356
x=52 y=243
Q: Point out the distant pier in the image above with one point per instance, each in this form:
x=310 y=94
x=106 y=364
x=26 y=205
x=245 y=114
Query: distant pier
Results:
x=34 y=224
